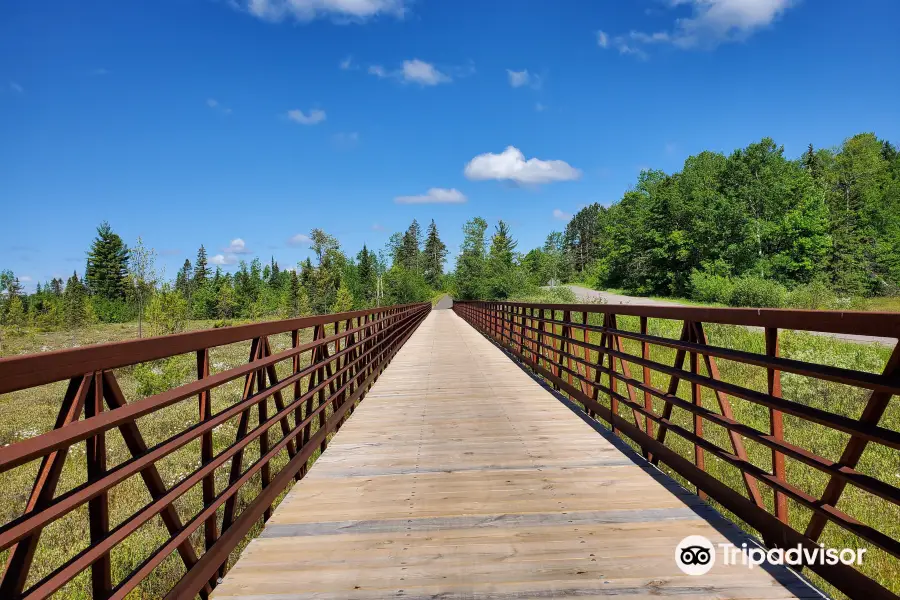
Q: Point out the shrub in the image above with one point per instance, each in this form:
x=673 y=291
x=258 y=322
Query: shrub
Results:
x=167 y=311
x=161 y=375
x=708 y=287
x=816 y=295
x=111 y=311
x=758 y=293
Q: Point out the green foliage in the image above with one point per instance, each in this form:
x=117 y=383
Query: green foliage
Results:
x=167 y=311
x=107 y=265
x=14 y=316
x=710 y=287
x=161 y=375
x=433 y=257
x=402 y=286
x=471 y=263
x=114 y=310
x=816 y=295
x=757 y=292
x=77 y=309
x=343 y=301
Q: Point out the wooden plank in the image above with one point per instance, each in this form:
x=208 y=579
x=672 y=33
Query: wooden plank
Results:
x=462 y=477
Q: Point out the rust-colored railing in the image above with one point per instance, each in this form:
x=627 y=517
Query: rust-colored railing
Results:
x=327 y=365
x=616 y=372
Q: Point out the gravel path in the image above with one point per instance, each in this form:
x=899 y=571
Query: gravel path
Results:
x=586 y=294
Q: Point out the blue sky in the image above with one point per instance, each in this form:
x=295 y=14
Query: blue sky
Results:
x=193 y=122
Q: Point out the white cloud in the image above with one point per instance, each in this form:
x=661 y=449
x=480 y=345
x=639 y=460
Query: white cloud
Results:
x=415 y=71
x=562 y=216
x=424 y=73
x=511 y=165
x=16 y=87
x=301 y=239
x=540 y=107
x=712 y=22
x=314 y=117
x=434 y=196
x=518 y=78
x=24 y=278
x=215 y=105
x=347 y=64
x=345 y=140
x=307 y=10
x=602 y=39
x=237 y=246
x=523 y=78
x=223 y=259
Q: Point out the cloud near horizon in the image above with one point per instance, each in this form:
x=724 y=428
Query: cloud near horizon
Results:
x=300 y=239
x=434 y=196
x=510 y=165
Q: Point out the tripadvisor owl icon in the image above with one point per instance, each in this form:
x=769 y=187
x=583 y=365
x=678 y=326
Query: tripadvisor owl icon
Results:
x=695 y=555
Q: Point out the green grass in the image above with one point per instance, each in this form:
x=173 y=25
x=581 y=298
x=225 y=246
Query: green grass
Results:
x=31 y=412
x=877 y=461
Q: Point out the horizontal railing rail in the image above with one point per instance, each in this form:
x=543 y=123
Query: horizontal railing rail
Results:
x=630 y=375
x=230 y=485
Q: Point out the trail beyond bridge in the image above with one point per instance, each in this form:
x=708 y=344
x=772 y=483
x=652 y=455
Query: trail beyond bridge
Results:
x=496 y=451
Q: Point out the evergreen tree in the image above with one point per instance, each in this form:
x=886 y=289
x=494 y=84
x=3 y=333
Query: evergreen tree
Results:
x=107 y=265
x=410 y=248
x=183 y=281
x=343 y=301
x=367 y=276
x=56 y=286
x=201 y=267
x=76 y=309
x=471 y=275
x=433 y=257
x=274 y=274
x=502 y=246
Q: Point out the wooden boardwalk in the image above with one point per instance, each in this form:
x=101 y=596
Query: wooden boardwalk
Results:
x=461 y=477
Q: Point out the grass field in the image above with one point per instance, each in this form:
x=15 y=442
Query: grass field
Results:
x=877 y=461
x=69 y=535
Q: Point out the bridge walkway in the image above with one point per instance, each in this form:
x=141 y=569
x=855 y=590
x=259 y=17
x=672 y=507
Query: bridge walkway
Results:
x=461 y=477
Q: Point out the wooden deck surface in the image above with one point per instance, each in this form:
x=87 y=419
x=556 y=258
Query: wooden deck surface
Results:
x=460 y=477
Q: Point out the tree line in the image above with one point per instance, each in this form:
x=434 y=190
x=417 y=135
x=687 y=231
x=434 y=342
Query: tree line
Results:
x=122 y=283
x=751 y=228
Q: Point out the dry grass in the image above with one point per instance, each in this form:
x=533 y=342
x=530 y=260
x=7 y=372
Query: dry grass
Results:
x=69 y=535
x=878 y=461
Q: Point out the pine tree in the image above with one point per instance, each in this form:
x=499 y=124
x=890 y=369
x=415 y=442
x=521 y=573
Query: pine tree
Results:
x=75 y=304
x=56 y=286
x=201 y=267
x=183 y=281
x=274 y=274
x=367 y=272
x=502 y=246
x=410 y=248
x=434 y=255
x=107 y=265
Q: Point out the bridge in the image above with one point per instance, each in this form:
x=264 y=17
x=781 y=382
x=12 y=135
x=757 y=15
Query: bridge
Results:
x=493 y=451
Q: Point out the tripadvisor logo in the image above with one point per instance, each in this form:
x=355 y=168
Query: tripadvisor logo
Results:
x=695 y=555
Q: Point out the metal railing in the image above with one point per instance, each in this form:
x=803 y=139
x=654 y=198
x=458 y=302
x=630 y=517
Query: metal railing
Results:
x=616 y=373
x=331 y=362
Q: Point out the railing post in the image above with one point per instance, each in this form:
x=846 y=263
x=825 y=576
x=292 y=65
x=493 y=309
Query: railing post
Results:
x=776 y=423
